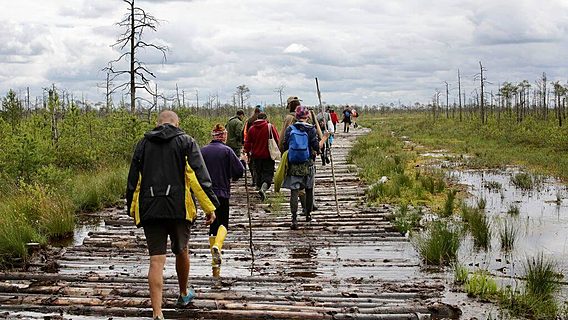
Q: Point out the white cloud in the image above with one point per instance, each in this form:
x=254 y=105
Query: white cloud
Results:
x=362 y=51
x=296 y=48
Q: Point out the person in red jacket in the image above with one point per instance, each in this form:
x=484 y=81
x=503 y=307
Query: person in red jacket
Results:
x=256 y=147
x=334 y=119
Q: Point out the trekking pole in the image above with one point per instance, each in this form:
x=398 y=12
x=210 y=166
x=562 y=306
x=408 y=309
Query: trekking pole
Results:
x=328 y=146
x=249 y=217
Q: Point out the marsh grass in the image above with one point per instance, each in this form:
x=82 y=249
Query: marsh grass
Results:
x=406 y=219
x=40 y=212
x=508 y=235
x=523 y=181
x=449 y=203
x=542 y=285
x=478 y=224
x=461 y=273
x=481 y=285
x=493 y=185
x=91 y=192
x=481 y=203
x=514 y=210
x=438 y=244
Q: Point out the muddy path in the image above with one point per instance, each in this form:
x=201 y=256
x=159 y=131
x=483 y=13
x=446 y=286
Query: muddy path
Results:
x=351 y=265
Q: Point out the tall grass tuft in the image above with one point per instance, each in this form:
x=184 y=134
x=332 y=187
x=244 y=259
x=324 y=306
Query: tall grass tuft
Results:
x=538 y=299
x=439 y=244
x=508 y=235
x=513 y=210
x=449 y=204
x=542 y=277
x=523 y=181
x=480 y=229
x=91 y=192
x=481 y=203
x=481 y=285
x=461 y=273
x=405 y=218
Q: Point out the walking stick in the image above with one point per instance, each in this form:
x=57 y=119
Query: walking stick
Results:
x=328 y=146
x=249 y=217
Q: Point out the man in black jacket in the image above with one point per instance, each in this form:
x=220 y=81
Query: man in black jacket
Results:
x=166 y=173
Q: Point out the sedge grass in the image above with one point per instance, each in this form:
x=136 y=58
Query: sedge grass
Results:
x=461 y=273
x=481 y=285
x=438 y=244
x=523 y=181
x=91 y=192
x=508 y=235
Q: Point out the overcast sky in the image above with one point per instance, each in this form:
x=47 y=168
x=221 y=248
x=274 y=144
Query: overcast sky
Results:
x=363 y=52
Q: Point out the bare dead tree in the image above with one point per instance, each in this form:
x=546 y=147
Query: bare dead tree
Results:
x=459 y=94
x=447 y=100
x=280 y=91
x=482 y=82
x=134 y=23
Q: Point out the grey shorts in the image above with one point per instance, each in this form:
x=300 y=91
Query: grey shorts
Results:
x=157 y=232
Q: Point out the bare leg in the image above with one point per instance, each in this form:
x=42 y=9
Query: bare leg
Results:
x=182 y=270
x=156 y=282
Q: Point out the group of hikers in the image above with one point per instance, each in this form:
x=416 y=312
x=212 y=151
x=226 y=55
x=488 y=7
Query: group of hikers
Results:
x=169 y=172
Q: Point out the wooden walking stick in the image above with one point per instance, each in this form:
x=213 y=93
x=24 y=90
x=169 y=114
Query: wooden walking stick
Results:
x=249 y=217
x=328 y=147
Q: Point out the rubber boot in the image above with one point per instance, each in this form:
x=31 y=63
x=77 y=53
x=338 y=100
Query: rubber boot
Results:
x=294 y=225
x=218 y=245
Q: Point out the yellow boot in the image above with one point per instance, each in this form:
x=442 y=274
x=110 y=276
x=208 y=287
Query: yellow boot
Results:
x=211 y=243
x=218 y=245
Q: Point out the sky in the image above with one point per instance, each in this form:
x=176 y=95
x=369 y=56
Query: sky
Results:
x=362 y=51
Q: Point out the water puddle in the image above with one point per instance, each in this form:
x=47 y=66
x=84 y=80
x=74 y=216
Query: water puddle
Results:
x=84 y=225
x=542 y=221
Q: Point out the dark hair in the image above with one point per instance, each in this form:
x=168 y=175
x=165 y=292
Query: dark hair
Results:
x=292 y=105
x=262 y=115
x=240 y=112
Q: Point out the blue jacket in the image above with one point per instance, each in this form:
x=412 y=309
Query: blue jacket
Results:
x=223 y=165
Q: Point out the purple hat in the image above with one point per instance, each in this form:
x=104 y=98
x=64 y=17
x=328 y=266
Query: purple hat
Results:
x=302 y=112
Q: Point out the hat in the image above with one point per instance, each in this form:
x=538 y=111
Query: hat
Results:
x=259 y=107
x=302 y=112
x=292 y=98
x=218 y=132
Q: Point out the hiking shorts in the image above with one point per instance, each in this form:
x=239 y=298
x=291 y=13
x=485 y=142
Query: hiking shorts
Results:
x=157 y=232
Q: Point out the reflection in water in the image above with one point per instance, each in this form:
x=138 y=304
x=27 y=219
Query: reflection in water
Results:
x=542 y=221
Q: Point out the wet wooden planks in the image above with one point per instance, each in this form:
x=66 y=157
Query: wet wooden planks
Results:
x=346 y=265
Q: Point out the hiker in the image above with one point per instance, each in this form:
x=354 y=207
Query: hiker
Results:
x=291 y=104
x=235 y=132
x=302 y=143
x=334 y=119
x=223 y=166
x=346 y=119
x=324 y=121
x=167 y=170
x=256 y=147
x=354 y=116
x=247 y=126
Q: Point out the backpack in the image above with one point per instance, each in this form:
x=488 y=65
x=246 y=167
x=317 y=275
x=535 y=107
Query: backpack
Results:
x=298 y=147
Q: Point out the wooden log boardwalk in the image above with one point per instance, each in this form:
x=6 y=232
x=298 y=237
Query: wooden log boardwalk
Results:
x=351 y=265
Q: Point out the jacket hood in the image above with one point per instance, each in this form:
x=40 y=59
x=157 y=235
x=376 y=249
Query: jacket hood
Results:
x=260 y=123
x=163 y=133
x=303 y=126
